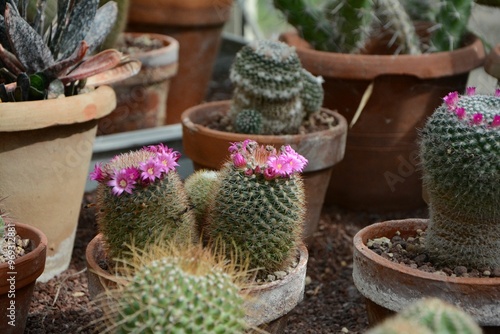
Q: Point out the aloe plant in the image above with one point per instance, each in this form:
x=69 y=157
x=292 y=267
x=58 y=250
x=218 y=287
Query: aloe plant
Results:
x=40 y=60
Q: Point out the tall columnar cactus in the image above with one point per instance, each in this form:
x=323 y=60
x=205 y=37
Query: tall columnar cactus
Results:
x=429 y=316
x=460 y=152
x=345 y=25
x=179 y=295
x=140 y=197
x=270 y=85
x=259 y=207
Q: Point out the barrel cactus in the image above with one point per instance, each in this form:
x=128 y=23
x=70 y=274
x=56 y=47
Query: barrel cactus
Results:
x=272 y=92
x=460 y=153
x=259 y=206
x=140 y=197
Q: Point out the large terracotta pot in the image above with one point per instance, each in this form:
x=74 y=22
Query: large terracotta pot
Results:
x=45 y=152
x=267 y=305
x=208 y=149
x=379 y=172
x=141 y=100
x=197 y=25
x=389 y=287
x=15 y=300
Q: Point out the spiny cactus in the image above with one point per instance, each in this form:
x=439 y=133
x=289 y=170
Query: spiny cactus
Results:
x=140 y=197
x=40 y=61
x=398 y=325
x=200 y=187
x=259 y=207
x=269 y=80
x=345 y=25
x=460 y=153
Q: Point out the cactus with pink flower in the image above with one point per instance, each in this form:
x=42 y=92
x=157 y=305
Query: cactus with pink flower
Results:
x=140 y=198
x=258 y=208
x=460 y=152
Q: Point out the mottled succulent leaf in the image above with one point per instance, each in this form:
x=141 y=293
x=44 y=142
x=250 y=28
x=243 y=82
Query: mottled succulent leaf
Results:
x=60 y=67
x=81 y=18
x=4 y=40
x=10 y=61
x=102 y=61
x=120 y=72
x=62 y=19
x=26 y=44
x=23 y=86
x=103 y=23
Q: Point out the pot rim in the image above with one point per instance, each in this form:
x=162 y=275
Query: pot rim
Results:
x=31 y=115
x=166 y=55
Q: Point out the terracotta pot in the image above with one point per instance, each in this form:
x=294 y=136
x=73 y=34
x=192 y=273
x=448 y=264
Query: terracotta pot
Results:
x=45 y=152
x=15 y=302
x=492 y=63
x=267 y=305
x=197 y=25
x=141 y=100
x=208 y=149
x=379 y=171
x=388 y=287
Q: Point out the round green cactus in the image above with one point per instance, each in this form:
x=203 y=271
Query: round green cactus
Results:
x=396 y=325
x=460 y=153
x=140 y=197
x=269 y=79
x=179 y=295
x=259 y=207
x=312 y=95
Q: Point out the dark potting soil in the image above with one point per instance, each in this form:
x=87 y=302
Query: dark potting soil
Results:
x=331 y=303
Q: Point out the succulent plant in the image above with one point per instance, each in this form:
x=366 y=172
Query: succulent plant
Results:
x=429 y=316
x=200 y=187
x=346 y=25
x=258 y=209
x=273 y=93
x=40 y=60
x=140 y=197
x=460 y=153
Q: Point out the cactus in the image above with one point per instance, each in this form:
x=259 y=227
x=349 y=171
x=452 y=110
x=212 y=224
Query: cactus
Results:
x=140 y=197
x=460 y=153
x=259 y=206
x=346 y=25
x=270 y=80
x=429 y=316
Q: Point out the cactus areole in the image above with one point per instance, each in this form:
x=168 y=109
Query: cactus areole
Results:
x=460 y=151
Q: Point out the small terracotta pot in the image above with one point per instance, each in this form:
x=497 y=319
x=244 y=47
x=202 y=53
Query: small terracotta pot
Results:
x=197 y=25
x=141 y=100
x=15 y=301
x=267 y=305
x=45 y=153
x=379 y=172
x=388 y=287
x=208 y=149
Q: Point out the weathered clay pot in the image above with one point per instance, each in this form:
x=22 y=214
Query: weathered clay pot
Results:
x=267 y=305
x=388 y=287
x=208 y=149
x=45 y=152
x=197 y=25
x=15 y=301
x=141 y=100
x=379 y=171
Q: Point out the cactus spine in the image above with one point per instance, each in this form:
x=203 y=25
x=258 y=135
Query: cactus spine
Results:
x=259 y=208
x=140 y=197
x=452 y=19
x=460 y=153
x=270 y=85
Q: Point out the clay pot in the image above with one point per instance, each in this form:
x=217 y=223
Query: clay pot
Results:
x=388 y=287
x=197 y=26
x=379 y=171
x=15 y=302
x=45 y=152
x=208 y=149
x=267 y=305
x=492 y=63
x=141 y=100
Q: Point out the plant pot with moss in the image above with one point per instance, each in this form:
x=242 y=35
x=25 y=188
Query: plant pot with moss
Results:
x=460 y=160
x=271 y=112
x=385 y=82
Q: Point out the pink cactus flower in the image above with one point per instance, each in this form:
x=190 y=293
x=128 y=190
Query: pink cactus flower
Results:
x=151 y=170
x=460 y=112
x=97 y=174
x=168 y=161
x=238 y=160
x=470 y=91
x=280 y=164
x=497 y=92
x=451 y=100
x=121 y=181
x=496 y=121
x=477 y=118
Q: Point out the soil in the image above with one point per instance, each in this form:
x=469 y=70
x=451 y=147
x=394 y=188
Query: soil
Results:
x=331 y=303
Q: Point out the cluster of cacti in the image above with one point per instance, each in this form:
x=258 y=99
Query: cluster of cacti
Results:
x=346 y=25
x=272 y=92
x=41 y=60
x=460 y=153
x=429 y=316
x=140 y=197
x=258 y=208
